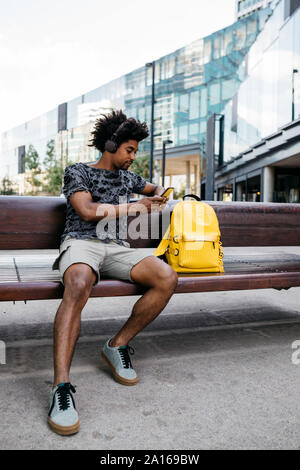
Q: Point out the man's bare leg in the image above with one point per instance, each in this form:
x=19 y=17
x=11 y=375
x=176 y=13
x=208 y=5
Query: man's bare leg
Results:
x=162 y=281
x=78 y=281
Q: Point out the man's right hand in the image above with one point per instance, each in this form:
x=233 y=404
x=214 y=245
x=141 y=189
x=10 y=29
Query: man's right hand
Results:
x=153 y=203
x=93 y=211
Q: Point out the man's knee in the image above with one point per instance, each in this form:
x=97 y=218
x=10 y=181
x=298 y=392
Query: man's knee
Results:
x=78 y=281
x=167 y=276
x=156 y=273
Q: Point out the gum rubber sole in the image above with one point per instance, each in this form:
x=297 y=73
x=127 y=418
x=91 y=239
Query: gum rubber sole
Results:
x=64 y=430
x=117 y=377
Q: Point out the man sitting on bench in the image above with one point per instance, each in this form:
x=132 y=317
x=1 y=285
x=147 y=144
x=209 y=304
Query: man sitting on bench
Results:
x=90 y=248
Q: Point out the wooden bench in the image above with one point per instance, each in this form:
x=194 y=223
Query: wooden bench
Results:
x=36 y=223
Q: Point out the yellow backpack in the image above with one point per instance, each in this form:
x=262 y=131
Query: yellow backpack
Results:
x=192 y=240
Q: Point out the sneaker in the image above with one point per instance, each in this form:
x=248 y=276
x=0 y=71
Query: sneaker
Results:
x=63 y=417
x=119 y=361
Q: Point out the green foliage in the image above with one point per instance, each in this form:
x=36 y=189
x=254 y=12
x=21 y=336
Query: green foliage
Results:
x=141 y=166
x=50 y=152
x=6 y=186
x=54 y=171
x=178 y=194
x=32 y=163
x=32 y=160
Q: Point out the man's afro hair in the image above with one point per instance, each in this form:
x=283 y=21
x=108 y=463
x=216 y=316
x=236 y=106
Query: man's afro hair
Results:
x=108 y=124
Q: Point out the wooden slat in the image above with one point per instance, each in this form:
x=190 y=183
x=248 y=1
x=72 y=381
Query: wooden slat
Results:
x=8 y=271
x=259 y=271
x=187 y=283
x=31 y=222
x=36 y=267
x=36 y=222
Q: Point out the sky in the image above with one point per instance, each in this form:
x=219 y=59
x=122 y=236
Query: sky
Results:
x=54 y=50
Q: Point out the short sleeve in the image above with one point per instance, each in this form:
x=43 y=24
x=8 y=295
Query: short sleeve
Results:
x=74 y=180
x=138 y=183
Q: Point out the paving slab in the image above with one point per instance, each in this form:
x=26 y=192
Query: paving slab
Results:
x=215 y=371
x=221 y=388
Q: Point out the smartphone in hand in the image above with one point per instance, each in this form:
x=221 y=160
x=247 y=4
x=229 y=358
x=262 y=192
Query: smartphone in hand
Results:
x=167 y=192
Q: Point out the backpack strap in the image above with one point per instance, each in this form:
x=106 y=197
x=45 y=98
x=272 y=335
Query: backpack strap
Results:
x=192 y=195
x=162 y=247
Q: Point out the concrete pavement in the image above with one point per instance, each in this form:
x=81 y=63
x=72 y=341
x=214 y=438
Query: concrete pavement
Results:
x=227 y=388
x=215 y=372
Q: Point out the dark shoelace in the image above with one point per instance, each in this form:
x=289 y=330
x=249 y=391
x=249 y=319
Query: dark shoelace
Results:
x=125 y=356
x=64 y=395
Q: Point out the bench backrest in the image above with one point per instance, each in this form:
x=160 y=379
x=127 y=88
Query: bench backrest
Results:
x=37 y=222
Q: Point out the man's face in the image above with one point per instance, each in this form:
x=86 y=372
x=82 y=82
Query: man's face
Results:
x=125 y=155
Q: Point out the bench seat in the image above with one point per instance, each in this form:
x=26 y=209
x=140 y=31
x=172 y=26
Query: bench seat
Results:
x=30 y=277
x=37 y=222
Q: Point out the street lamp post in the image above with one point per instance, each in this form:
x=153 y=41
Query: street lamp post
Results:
x=152 y=64
x=165 y=142
x=293 y=93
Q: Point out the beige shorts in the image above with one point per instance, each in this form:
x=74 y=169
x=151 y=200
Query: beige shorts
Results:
x=108 y=259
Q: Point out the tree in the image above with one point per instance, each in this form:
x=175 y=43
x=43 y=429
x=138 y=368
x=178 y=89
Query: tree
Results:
x=6 y=186
x=141 y=166
x=32 y=164
x=178 y=194
x=53 y=171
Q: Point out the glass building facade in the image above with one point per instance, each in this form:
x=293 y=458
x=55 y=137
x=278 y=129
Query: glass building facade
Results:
x=247 y=7
x=190 y=84
x=264 y=100
x=261 y=152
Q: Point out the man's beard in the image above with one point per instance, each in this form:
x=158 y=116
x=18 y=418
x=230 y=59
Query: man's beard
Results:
x=126 y=165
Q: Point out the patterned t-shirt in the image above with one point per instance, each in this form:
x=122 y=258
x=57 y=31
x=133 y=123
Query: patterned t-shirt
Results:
x=105 y=186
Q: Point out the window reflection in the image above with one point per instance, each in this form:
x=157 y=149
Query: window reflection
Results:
x=194 y=105
x=214 y=93
x=203 y=102
x=265 y=97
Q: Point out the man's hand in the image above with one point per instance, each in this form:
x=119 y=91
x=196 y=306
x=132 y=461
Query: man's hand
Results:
x=150 y=204
x=93 y=211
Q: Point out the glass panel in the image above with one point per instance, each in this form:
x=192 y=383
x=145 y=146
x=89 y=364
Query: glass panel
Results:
x=176 y=103
x=217 y=47
x=92 y=96
x=183 y=134
x=203 y=102
x=184 y=103
x=148 y=76
x=240 y=36
x=194 y=105
x=141 y=113
x=72 y=113
x=296 y=63
x=207 y=50
x=214 y=93
x=176 y=136
x=157 y=72
x=180 y=63
x=252 y=26
x=148 y=113
x=228 y=88
x=227 y=43
x=171 y=67
x=203 y=126
x=194 y=129
x=284 y=72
